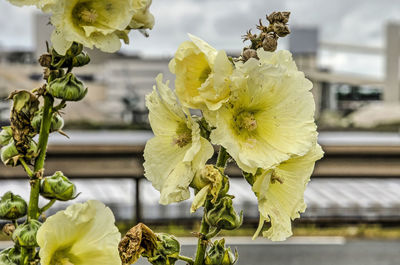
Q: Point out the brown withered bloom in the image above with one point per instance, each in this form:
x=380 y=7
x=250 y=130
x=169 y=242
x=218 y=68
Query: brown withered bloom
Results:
x=139 y=239
x=24 y=107
x=8 y=229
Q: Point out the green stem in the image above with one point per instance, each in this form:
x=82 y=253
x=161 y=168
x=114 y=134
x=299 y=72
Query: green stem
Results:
x=33 y=208
x=223 y=157
x=202 y=243
x=187 y=259
x=47 y=206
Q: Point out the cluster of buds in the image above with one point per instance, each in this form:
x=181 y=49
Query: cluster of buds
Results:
x=140 y=240
x=268 y=36
x=66 y=87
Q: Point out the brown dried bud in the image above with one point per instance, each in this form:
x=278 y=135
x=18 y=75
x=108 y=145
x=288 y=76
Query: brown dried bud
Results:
x=281 y=29
x=8 y=229
x=249 y=53
x=139 y=239
x=270 y=43
x=45 y=60
x=280 y=17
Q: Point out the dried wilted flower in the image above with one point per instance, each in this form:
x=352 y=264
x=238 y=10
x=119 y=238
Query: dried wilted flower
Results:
x=138 y=239
x=282 y=17
x=270 y=43
x=249 y=53
x=8 y=229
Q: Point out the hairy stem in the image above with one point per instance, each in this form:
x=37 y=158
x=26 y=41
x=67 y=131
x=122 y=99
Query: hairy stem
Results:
x=205 y=234
x=27 y=255
x=202 y=243
x=47 y=206
x=223 y=157
x=33 y=208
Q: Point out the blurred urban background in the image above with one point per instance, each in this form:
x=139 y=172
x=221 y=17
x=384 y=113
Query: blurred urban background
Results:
x=350 y=50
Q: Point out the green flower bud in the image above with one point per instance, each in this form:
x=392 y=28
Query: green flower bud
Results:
x=57 y=187
x=219 y=255
x=25 y=234
x=74 y=50
x=5 y=135
x=167 y=251
x=57 y=122
x=67 y=88
x=80 y=60
x=10 y=256
x=9 y=154
x=12 y=206
x=222 y=215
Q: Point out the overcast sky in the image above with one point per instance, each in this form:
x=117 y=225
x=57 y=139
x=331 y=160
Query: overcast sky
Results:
x=222 y=22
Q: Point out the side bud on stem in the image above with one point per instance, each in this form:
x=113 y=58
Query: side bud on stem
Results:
x=159 y=249
x=223 y=216
x=58 y=187
x=68 y=88
x=219 y=255
x=25 y=234
x=12 y=206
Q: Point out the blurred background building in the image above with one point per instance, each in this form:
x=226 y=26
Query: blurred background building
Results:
x=350 y=50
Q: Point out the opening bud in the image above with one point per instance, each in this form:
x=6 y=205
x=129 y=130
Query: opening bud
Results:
x=208 y=181
x=25 y=234
x=57 y=187
x=219 y=255
x=12 y=206
x=167 y=251
x=223 y=216
x=67 y=88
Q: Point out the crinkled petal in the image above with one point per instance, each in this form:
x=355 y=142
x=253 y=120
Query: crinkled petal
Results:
x=280 y=193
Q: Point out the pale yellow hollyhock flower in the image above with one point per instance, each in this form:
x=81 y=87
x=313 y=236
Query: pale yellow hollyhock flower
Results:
x=280 y=193
x=202 y=74
x=270 y=115
x=45 y=5
x=142 y=18
x=83 y=234
x=96 y=23
x=177 y=151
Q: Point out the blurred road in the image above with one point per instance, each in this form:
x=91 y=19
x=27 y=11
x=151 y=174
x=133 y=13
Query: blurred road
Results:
x=304 y=251
x=357 y=252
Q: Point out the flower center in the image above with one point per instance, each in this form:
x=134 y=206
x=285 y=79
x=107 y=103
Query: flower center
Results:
x=183 y=136
x=246 y=121
x=88 y=15
x=204 y=74
x=275 y=179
